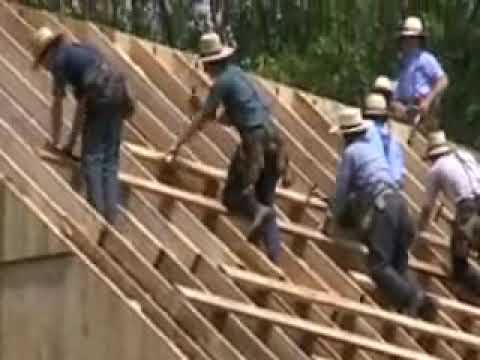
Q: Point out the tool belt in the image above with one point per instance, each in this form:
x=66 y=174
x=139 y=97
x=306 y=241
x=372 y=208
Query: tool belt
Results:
x=467 y=223
x=362 y=208
x=102 y=84
x=265 y=142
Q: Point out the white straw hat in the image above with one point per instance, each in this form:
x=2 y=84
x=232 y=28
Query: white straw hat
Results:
x=437 y=144
x=375 y=105
x=412 y=27
x=350 y=122
x=212 y=49
x=383 y=83
x=42 y=39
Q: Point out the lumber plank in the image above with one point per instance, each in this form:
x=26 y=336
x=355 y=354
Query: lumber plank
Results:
x=218 y=174
x=227 y=305
x=308 y=295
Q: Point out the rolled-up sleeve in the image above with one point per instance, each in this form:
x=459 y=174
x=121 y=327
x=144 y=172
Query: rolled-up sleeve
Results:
x=432 y=69
x=343 y=183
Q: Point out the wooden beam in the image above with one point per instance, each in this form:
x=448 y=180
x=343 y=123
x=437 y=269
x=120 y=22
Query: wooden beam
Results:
x=307 y=295
x=204 y=170
x=223 y=304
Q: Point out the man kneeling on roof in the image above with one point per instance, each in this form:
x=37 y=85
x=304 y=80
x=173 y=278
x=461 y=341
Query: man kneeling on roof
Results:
x=456 y=174
x=258 y=161
x=368 y=198
x=103 y=102
x=375 y=109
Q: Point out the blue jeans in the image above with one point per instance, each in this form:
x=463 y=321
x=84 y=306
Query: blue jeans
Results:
x=100 y=158
x=389 y=239
x=245 y=204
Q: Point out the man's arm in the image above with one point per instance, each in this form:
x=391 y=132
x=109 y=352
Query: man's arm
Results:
x=437 y=90
x=432 y=192
x=197 y=124
x=208 y=113
x=78 y=121
x=56 y=114
x=438 y=77
x=342 y=191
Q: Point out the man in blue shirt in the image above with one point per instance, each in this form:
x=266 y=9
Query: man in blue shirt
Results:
x=103 y=101
x=257 y=162
x=376 y=111
x=421 y=81
x=367 y=195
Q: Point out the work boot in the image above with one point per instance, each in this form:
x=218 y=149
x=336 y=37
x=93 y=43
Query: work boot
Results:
x=262 y=216
x=421 y=306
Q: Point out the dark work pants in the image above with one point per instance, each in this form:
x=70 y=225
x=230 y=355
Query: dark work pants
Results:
x=460 y=248
x=100 y=158
x=260 y=165
x=389 y=239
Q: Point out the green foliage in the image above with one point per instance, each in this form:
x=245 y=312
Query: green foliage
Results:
x=334 y=48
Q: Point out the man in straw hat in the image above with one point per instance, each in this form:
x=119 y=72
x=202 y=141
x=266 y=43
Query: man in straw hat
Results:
x=383 y=85
x=375 y=109
x=257 y=162
x=103 y=102
x=456 y=174
x=421 y=80
x=366 y=193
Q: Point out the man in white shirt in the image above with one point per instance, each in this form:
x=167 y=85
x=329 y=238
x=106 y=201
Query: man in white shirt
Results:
x=456 y=174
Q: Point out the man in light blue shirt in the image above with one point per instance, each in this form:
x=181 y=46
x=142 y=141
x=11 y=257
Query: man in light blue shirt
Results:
x=376 y=110
x=366 y=195
x=422 y=79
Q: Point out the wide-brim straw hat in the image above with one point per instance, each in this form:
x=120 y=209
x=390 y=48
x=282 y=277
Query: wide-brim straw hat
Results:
x=350 y=121
x=383 y=84
x=42 y=40
x=412 y=27
x=212 y=49
x=437 y=144
x=375 y=105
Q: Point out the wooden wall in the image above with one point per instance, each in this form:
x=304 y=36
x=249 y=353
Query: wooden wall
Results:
x=54 y=307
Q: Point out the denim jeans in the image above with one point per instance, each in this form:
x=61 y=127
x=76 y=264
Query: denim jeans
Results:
x=245 y=204
x=460 y=245
x=100 y=158
x=388 y=240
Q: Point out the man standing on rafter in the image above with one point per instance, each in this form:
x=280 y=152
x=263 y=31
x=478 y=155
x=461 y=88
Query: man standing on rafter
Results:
x=421 y=81
x=103 y=102
x=259 y=160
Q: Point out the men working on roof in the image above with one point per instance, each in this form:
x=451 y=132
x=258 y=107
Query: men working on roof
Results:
x=421 y=81
x=367 y=194
x=376 y=110
x=455 y=173
x=103 y=102
x=255 y=168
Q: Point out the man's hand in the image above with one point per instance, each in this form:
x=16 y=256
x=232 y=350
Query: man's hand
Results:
x=195 y=101
x=424 y=106
x=51 y=147
x=172 y=153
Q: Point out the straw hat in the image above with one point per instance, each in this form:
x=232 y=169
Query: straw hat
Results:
x=437 y=144
x=212 y=49
x=42 y=39
x=383 y=83
x=351 y=121
x=375 y=105
x=412 y=27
